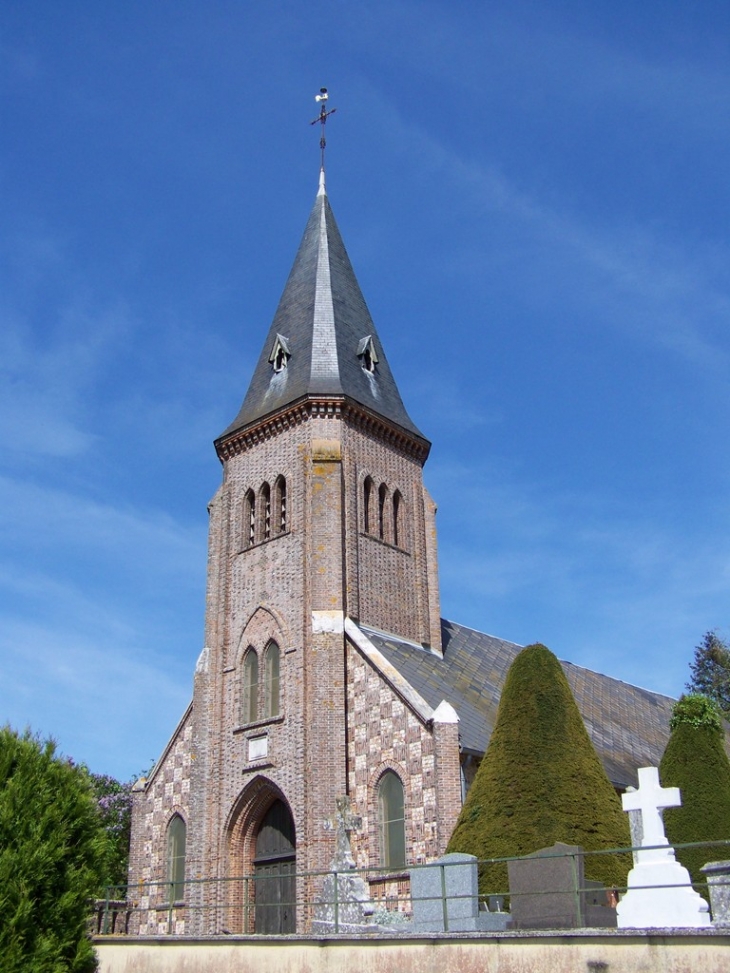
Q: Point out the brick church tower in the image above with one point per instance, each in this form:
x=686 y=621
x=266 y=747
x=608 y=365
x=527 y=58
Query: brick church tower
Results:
x=321 y=533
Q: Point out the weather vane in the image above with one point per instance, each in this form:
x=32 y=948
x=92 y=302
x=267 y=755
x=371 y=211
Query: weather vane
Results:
x=322 y=117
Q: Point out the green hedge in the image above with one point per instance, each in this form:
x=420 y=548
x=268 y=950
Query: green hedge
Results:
x=541 y=781
x=695 y=761
x=52 y=851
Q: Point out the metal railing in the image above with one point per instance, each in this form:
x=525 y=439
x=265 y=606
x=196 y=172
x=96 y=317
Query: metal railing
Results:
x=322 y=901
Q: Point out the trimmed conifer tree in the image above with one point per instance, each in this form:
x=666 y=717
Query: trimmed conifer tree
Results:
x=52 y=855
x=541 y=781
x=695 y=761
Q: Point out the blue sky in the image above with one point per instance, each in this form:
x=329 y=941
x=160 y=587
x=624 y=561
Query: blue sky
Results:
x=535 y=200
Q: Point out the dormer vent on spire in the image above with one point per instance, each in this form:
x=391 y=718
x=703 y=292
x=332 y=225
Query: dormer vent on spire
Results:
x=367 y=354
x=280 y=353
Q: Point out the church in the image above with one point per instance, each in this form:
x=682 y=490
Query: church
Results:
x=327 y=669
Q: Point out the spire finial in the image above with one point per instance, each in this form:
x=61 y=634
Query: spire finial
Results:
x=321 y=98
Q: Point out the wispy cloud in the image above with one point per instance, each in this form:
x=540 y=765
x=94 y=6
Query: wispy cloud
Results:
x=554 y=565
x=92 y=694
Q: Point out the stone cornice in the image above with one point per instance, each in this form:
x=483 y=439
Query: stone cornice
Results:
x=319 y=407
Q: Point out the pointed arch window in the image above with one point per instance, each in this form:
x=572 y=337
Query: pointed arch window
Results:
x=280 y=511
x=391 y=820
x=266 y=511
x=272 y=661
x=250 y=687
x=368 y=490
x=249 y=519
x=382 y=501
x=176 y=841
x=397 y=504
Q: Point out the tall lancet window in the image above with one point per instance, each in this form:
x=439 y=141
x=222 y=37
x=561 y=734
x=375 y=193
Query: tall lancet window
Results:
x=368 y=490
x=392 y=823
x=266 y=511
x=382 y=500
x=176 y=840
x=249 y=519
x=272 y=658
x=396 y=517
x=280 y=511
x=250 y=687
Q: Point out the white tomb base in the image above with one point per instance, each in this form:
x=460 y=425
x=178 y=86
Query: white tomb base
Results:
x=660 y=895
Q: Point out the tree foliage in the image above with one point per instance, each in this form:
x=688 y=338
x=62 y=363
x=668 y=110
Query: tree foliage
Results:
x=114 y=803
x=541 y=781
x=52 y=854
x=710 y=670
x=695 y=761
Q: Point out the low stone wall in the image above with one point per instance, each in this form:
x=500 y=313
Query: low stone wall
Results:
x=586 y=951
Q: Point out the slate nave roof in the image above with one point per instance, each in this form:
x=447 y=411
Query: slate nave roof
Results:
x=629 y=726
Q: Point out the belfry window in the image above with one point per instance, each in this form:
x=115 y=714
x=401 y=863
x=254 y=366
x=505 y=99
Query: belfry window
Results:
x=176 y=840
x=250 y=687
x=280 y=511
x=396 y=517
x=391 y=821
x=266 y=511
x=271 y=680
x=382 y=500
x=367 y=503
x=249 y=519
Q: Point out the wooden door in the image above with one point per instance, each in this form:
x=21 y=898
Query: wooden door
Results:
x=274 y=872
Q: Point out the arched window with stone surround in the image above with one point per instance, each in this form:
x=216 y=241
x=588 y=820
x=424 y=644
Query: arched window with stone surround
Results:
x=368 y=490
x=175 y=854
x=382 y=519
x=248 y=526
x=265 y=512
x=397 y=507
x=391 y=821
x=280 y=511
x=272 y=661
x=250 y=687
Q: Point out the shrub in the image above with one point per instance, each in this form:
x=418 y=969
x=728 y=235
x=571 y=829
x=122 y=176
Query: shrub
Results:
x=695 y=761
x=52 y=851
x=541 y=781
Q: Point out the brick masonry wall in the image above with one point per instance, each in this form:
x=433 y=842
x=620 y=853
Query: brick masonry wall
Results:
x=167 y=793
x=383 y=734
x=389 y=586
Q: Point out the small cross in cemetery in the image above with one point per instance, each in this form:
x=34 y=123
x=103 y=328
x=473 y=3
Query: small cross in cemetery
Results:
x=343 y=822
x=650 y=800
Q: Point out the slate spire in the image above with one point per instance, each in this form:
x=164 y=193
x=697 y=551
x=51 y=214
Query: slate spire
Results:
x=322 y=341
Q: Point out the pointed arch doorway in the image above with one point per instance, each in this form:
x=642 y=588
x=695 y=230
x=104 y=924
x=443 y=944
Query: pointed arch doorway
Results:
x=274 y=869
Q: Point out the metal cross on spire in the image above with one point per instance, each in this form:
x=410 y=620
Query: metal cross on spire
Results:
x=324 y=114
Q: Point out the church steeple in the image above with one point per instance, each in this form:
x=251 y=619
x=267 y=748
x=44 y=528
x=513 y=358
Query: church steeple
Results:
x=322 y=342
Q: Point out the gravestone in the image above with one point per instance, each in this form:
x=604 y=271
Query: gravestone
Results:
x=344 y=905
x=445 y=897
x=636 y=828
x=718 y=885
x=548 y=890
x=660 y=892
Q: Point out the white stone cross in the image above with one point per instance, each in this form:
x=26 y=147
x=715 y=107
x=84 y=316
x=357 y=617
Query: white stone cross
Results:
x=650 y=800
